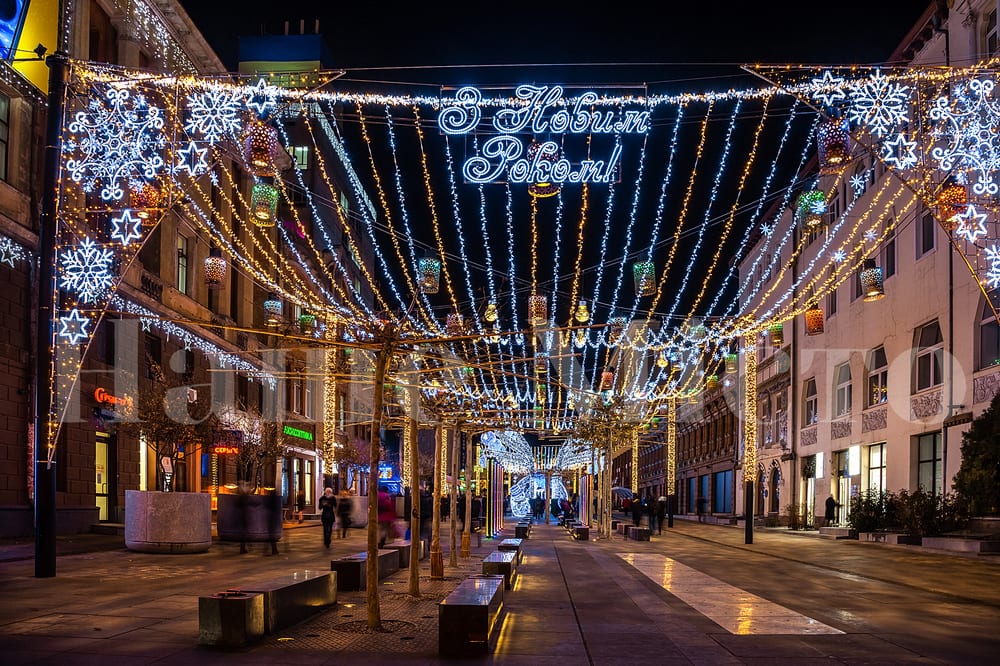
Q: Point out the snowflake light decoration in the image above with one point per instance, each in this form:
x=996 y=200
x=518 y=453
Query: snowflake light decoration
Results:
x=838 y=256
x=261 y=97
x=859 y=184
x=214 y=113
x=993 y=270
x=879 y=104
x=126 y=227
x=74 y=327
x=870 y=235
x=900 y=153
x=86 y=270
x=11 y=251
x=965 y=135
x=116 y=139
x=971 y=224
x=828 y=89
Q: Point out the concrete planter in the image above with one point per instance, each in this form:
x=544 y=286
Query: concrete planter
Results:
x=158 y=522
x=895 y=538
x=962 y=545
x=249 y=518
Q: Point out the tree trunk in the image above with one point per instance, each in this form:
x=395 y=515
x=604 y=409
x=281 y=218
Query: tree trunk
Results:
x=467 y=532
x=437 y=559
x=415 y=541
x=453 y=507
x=371 y=569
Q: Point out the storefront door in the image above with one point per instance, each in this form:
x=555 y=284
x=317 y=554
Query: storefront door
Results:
x=104 y=464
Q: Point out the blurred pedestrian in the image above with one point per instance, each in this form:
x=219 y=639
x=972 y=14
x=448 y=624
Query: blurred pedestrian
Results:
x=300 y=504
x=651 y=513
x=636 y=506
x=386 y=516
x=661 y=513
x=344 y=506
x=327 y=507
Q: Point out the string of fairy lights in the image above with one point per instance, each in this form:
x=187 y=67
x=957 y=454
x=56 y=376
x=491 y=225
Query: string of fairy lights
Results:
x=566 y=185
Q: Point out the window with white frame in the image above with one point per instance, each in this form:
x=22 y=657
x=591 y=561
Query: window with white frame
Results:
x=810 y=403
x=989 y=334
x=765 y=419
x=876 y=467
x=929 y=471
x=878 y=378
x=183 y=244
x=301 y=156
x=889 y=257
x=842 y=389
x=831 y=303
x=928 y=362
x=925 y=232
x=990 y=37
x=307 y=398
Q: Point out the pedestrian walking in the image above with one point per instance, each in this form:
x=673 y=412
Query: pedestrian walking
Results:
x=386 y=516
x=300 y=504
x=636 y=506
x=344 y=506
x=831 y=511
x=661 y=513
x=327 y=507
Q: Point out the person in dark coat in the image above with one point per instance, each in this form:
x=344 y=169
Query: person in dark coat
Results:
x=636 y=506
x=831 y=511
x=651 y=515
x=661 y=512
x=344 y=512
x=327 y=508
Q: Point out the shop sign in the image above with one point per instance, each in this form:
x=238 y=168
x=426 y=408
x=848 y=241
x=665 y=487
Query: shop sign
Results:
x=225 y=449
x=298 y=433
x=102 y=396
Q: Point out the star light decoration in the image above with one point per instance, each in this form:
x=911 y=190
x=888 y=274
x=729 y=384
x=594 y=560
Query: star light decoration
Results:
x=900 y=153
x=966 y=133
x=126 y=228
x=74 y=327
x=116 y=140
x=86 y=270
x=879 y=104
x=971 y=224
x=192 y=159
x=214 y=114
x=261 y=97
x=993 y=269
x=828 y=89
x=11 y=251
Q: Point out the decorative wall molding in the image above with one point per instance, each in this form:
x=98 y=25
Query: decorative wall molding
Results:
x=840 y=429
x=925 y=405
x=985 y=387
x=808 y=436
x=874 y=419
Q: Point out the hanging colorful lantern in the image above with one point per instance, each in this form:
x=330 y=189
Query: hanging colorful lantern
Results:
x=264 y=202
x=494 y=337
x=814 y=320
x=215 y=269
x=454 y=324
x=833 y=138
x=491 y=314
x=732 y=362
x=607 y=379
x=307 y=321
x=272 y=309
x=429 y=269
x=580 y=339
x=777 y=333
x=259 y=147
x=871 y=281
x=951 y=201
x=537 y=310
x=546 y=153
x=711 y=382
x=811 y=206
x=644 y=274
x=616 y=328
x=145 y=201
x=582 y=314
x=541 y=363
x=662 y=360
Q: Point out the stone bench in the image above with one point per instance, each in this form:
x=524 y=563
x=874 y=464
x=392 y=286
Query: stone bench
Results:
x=502 y=563
x=237 y=617
x=352 y=570
x=581 y=532
x=403 y=547
x=521 y=530
x=637 y=533
x=614 y=525
x=513 y=545
x=469 y=617
x=621 y=529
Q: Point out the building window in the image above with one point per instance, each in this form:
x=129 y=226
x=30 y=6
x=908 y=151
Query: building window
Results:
x=991 y=32
x=722 y=496
x=4 y=133
x=154 y=357
x=989 y=334
x=889 y=257
x=301 y=156
x=242 y=392
x=811 y=404
x=929 y=361
x=296 y=402
x=876 y=467
x=182 y=263
x=831 y=303
x=878 y=378
x=765 y=420
x=842 y=386
x=926 y=228
x=929 y=473
x=307 y=398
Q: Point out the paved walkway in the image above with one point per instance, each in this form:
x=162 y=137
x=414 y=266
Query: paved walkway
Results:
x=694 y=595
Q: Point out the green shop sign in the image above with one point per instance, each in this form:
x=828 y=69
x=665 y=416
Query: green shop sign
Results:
x=295 y=432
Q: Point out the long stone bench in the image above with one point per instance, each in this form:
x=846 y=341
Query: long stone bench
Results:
x=637 y=533
x=352 y=570
x=237 y=617
x=503 y=563
x=469 y=617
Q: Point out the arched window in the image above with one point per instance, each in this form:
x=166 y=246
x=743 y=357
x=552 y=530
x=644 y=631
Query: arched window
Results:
x=988 y=352
x=928 y=361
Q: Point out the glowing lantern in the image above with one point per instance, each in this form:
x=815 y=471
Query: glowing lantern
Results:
x=259 y=146
x=145 y=201
x=454 y=324
x=662 y=360
x=272 y=309
x=871 y=281
x=834 y=140
x=643 y=272
x=307 y=321
x=580 y=339
x=777 y=333
x=264 y=202
x=616 y=327
x=537 y=310
x=541 y=363
x=732 y=362
x=951 y=202
x=711 y=382
x=814 y=320
x=607 y=379
x=429 y=269
x=491 y=314
x=811 y=206
x=546 y=153
x=582 y=313
x=215 y=269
